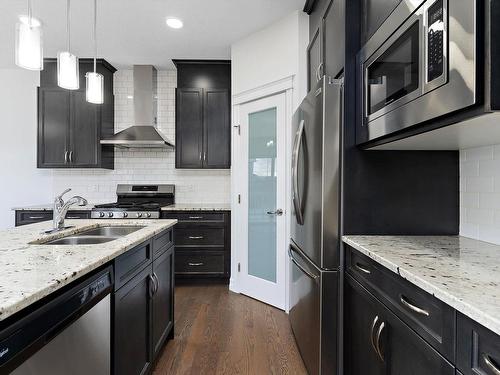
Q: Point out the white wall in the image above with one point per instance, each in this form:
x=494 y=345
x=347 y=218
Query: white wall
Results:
x=480 y=193
x=142 y=166
x=21 y=183
x=276 y=52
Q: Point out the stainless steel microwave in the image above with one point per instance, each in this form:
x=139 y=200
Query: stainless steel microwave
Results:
x=419 y=65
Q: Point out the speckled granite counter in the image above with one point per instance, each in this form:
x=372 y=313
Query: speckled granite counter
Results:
x=31 y=272
x=50 y=207
x=462 y=272
x=198 y=207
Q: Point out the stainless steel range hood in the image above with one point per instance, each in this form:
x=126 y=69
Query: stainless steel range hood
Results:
x=144 y=133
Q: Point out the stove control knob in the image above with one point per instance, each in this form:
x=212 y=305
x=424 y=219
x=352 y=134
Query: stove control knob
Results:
x=139 y=214
x=110 y=214
x=148 y=214
x=101 y=214
x=125 y=214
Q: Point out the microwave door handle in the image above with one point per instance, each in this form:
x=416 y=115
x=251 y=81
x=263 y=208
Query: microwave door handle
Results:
x=295 y=175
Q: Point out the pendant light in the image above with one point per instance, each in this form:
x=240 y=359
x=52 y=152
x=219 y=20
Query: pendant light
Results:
x=94 y=80
x=68 y=76
x=29 y=46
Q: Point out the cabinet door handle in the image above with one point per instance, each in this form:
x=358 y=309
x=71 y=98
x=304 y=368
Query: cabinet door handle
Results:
x=377 y=341
x=71 y=156
x=372 y=334
x=151 y=286
x=414 y=308
x=195 y=237
x=157 y=282
x=36 y=217
x=195 y=264
x=489 y=362
x=65 y=157
x=362 y=269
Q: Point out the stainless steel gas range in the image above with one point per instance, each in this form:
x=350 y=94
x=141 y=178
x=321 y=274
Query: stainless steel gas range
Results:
x=136 y=202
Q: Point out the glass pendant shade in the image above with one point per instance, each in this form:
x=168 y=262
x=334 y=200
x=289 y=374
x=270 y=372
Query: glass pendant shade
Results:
x=68 y=71
x=29 y=46
x=95 y=88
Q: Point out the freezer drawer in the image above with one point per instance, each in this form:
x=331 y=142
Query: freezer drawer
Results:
x=314 y=313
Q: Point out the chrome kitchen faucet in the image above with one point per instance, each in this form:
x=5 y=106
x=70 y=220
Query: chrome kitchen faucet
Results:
x=61 y=208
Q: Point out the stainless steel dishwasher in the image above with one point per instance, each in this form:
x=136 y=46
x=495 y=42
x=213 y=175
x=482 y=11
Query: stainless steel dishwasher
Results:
x=69 y=334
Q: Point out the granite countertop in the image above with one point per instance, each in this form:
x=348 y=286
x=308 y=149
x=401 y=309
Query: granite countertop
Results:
x=50 y=207
x=462 y=272
x=30 y=272
x=198 y=207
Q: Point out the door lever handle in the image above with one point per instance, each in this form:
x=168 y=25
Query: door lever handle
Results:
x=278 y=212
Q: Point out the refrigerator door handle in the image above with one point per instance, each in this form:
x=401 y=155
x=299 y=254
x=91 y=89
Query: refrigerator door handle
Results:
x=295 y=175
x=301 y=267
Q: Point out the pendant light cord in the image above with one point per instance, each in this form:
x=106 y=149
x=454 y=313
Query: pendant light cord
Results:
x=29 y=14
x=68 y=29
x=95 y=36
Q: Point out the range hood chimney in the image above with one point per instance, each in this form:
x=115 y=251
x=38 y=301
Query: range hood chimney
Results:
x=144 y=132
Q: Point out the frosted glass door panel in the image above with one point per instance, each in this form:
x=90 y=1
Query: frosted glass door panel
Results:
x=262 y=185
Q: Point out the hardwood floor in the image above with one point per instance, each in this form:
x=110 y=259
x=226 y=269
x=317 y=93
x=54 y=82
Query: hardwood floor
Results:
x=220 y=332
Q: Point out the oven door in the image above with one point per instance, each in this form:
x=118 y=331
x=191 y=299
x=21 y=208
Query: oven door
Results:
x=393 y=73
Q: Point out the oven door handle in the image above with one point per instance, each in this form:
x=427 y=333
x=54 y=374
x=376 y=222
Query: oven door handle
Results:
x=295 y=174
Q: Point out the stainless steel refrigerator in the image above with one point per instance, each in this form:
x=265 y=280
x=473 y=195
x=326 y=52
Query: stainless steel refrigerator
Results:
x=316 y=226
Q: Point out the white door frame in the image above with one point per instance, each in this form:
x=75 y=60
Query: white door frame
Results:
x=285 y=86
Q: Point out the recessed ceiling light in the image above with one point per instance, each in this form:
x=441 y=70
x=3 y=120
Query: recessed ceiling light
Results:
x=174 y=23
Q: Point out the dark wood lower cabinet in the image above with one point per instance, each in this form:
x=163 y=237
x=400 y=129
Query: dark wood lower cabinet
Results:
x=143 y=308
x=202 y=244
x=163 y=301
x=378 y=342
x=24 y=217
x=132 y=326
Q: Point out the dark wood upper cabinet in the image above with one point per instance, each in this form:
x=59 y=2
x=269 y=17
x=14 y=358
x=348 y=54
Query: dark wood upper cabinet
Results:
x=203 y=114
x=334 y=38
x=53 y=129
x=217 y=128
x=70 y=128
x=326 y=50
x=189 y=128
x=314 y=59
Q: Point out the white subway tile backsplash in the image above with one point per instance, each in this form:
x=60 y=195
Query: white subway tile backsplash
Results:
x=480 y=193
x=146 y=166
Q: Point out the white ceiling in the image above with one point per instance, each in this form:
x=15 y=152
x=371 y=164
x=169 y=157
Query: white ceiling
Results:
x=134 y=31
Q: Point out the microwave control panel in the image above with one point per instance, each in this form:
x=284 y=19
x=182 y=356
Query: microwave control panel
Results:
x=435 y=40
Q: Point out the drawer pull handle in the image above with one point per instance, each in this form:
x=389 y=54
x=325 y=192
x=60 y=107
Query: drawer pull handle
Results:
x=195 y=237
x=196 y=217
x=377 y=341
x=362 y=269
x=36 y=217
x=196 y=264
x=72 y=217
x=489 y=362
x=414 y=308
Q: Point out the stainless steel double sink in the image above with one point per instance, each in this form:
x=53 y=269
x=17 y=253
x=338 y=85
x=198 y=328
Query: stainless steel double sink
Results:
x=95 y=236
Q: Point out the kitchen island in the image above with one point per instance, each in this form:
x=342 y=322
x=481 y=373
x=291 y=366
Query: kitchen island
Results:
x=36 y=273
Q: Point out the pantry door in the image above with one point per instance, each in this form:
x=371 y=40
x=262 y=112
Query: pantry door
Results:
x=261 y=164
